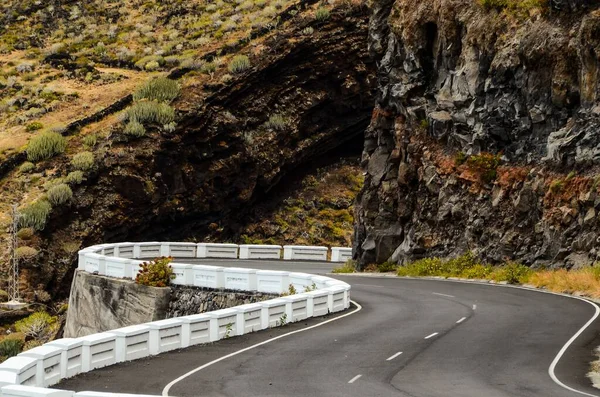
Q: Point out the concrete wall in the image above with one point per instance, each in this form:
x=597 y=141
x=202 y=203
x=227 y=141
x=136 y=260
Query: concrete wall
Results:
x=99 y=303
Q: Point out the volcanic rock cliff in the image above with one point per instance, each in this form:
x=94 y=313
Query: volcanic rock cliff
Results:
x=485 y=132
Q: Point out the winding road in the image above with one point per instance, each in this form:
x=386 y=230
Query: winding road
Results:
x=403 y=337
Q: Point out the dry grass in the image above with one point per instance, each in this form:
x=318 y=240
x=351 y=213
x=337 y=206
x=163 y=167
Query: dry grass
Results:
x=585 y=281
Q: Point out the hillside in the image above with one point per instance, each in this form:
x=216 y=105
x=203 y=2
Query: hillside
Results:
x=261 y=89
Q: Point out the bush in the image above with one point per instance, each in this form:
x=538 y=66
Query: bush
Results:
x=37 y=326
x=239 y=64
x=348 y=267
x=90 y=140
x=36 y=125
x=45 y=145
x=59 y=194
x=208 y=68
x=386 y=267
x=83 y=161
x=25 y=233
x=161 y=89
x=276 y=122
x=74 y=178
x=151 y=112
x=322 y=14
x=36 y=214
x=152 y=65
x=513 y=273
x=26 y=252
x=10 y=347
x=157 y=273
x=134 y=128
x=26 y=167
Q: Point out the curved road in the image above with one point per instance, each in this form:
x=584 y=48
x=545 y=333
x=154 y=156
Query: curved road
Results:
x=412 y=338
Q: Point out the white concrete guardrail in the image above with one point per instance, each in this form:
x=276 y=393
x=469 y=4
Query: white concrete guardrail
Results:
x=31 y=372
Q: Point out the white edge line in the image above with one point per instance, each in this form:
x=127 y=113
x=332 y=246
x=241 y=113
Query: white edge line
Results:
x=168 y=387
x=448 y=296
x=393 y=357
x=431 y=336
x=564 y=348
x=461 y=320
x=354 y=379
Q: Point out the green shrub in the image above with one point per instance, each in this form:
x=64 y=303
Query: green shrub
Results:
x=161 y=89
x=37 y=326
x=45 y=145
x=36 y=125
x=59 y=194
x=152 y=65
x=10 y=347
x=151 y=112
x=83 y=161
x=239 y=64
x=90 y=140
x=74 y=178
x=25 y=233
x=422 y=268
x=36 y=214
x=157 y=273
x=513 y=273
x=26 y=167
x=26 y=252
x=348 y=267
x=276 y=122
x=386 y=267
x=322 y=14
x=208 y=68
x=134 y=128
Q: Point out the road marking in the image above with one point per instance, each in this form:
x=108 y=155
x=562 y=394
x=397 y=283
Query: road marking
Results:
x=168 y=387
x=461 y=320
x=474 y=307
x=354 y=379
x=393 y=357
x=448 y=296
x=431 y=336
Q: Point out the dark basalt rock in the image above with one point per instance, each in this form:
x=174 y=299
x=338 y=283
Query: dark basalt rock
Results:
x=455 y=77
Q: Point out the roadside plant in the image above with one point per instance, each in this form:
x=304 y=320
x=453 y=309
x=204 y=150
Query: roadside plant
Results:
x=25 y=233
x=90 y=140
x=228 y=330
x=151 y=112
x=160 y=89
x=276 y=122
x=282 y=320
x=45 y=145
x=34 y=126
x=312 y=287
x=156 y=273
x=59 y=194
x=10 y=347
x=83 y=161
x=348 y=267
x=239 y=64
x=36 y=214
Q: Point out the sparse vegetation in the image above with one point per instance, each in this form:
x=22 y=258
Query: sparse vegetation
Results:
x=39 y=326
x=134 y=128
x=322 y=14
x=90 y=140
x=59 y=194
x=348 y=267
x=36 y=125
x=26 y=167
x=151 y=112
x=276 y=122
x=25 y=252
x=161 y=89
x=36 y=214
x=239 y=64
x=83 y=161
x=10 y=347
x=45 y=145
x=74 y=178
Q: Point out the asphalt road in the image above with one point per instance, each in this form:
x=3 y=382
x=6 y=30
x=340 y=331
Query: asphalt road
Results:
x=411 y=338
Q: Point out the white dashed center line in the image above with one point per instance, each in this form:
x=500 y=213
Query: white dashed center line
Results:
x=354 y=379
x=431 y=336
x=448 y=296
x=461 y=320
x=393 y=357
x=474 y=307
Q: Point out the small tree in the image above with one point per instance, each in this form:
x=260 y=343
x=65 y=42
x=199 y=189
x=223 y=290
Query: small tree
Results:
x=157 y=273
x=37 y=326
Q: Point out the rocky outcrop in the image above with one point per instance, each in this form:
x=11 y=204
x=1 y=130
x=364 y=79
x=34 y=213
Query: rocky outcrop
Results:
x=186 y=301
x=484 y=136
x=223 y=156
x=99 y=304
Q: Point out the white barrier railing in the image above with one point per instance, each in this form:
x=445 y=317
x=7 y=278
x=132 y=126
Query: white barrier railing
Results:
x=29 y=373
x=341 y=254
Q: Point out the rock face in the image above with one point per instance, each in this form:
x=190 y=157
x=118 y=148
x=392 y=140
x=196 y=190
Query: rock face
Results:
x=485 y=133
x=223 y=156
x=99 y=304
x=186 y=301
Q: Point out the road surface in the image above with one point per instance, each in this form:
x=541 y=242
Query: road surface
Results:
x=410 y=338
